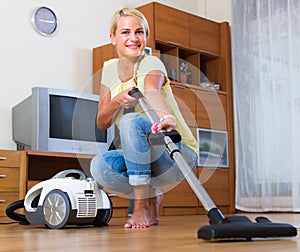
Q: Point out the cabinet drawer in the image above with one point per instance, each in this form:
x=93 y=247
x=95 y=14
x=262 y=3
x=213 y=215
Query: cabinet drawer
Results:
x=9 y=158
x=211 y=110
x=5 y=200
x=9 y=179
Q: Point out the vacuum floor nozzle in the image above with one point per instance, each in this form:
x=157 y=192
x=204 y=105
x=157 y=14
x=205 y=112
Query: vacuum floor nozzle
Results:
x=240 y=227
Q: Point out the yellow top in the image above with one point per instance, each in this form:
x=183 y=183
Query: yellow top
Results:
x=111 y=80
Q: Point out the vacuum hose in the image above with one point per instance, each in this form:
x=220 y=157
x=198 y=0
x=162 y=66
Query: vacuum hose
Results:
x=10 y=212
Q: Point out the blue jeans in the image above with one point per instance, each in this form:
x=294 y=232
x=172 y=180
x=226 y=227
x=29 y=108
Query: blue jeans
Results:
x=138 y=163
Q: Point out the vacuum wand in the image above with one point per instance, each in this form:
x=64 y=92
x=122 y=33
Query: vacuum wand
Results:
x=152 y=116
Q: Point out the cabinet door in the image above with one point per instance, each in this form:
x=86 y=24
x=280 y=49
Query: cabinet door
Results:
x=216 y=183
x=186 y=100
x=211 y=110
x=180 y=200
x=204 y=35
x=171 y=25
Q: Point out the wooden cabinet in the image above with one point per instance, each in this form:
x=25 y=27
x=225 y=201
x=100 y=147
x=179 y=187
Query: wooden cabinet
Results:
x=12 y=177
x=204 y=35
x=204 y=45
x=166 y=17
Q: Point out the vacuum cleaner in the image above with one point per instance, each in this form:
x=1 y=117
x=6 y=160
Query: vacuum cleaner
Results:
x=220 y=227
x=68 y=198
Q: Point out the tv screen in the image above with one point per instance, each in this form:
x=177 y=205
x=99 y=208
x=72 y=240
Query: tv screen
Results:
x=74 y=118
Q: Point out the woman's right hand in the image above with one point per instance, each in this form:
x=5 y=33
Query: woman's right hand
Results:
x=108 y=108
x=125 y=100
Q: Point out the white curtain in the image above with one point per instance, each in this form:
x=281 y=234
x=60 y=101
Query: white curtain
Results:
x=266 y=84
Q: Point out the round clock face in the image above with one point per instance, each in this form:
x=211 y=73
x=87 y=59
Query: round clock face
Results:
x=44 y=21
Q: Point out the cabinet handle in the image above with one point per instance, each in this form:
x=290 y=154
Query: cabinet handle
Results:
x=204 y=51
x=2 y=176
x=3 y=158
x=211 y=93
x=2 y=201
x=179 y=86
x=173 y=43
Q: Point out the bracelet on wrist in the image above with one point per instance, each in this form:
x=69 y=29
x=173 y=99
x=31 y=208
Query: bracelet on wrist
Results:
x=164 y=117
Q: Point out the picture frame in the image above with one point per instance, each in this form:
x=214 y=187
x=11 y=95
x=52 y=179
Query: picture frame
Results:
x=213 y=148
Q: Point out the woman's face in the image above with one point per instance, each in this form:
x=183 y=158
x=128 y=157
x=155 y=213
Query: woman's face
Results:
x=130 y=38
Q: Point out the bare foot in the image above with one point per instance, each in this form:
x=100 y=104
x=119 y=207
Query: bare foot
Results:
x=154 y=208
x=140 y=215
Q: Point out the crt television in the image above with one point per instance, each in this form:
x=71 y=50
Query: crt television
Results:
x=59 y=120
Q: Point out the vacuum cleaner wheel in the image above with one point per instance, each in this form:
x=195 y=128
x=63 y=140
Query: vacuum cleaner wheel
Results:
x=56 y=209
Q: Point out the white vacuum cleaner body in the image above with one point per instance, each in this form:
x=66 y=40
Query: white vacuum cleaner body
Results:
x=64 y=200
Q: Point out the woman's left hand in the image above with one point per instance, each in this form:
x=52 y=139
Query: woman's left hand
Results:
x=166 y=125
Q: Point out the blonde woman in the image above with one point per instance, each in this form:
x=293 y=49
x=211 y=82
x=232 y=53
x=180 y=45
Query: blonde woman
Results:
x=138 y=170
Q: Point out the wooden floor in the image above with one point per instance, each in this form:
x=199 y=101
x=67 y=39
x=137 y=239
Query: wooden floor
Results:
x=175 y=233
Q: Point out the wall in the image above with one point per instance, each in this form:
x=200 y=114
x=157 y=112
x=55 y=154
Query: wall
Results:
x=64 y=60
x=218 y=10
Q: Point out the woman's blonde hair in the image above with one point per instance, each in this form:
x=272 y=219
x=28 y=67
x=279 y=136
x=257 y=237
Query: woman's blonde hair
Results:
x=127 y=12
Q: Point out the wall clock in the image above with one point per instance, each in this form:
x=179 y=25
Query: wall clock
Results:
x=44 y=21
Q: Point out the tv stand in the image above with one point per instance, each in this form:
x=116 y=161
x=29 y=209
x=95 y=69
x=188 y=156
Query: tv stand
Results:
x=20 y=170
